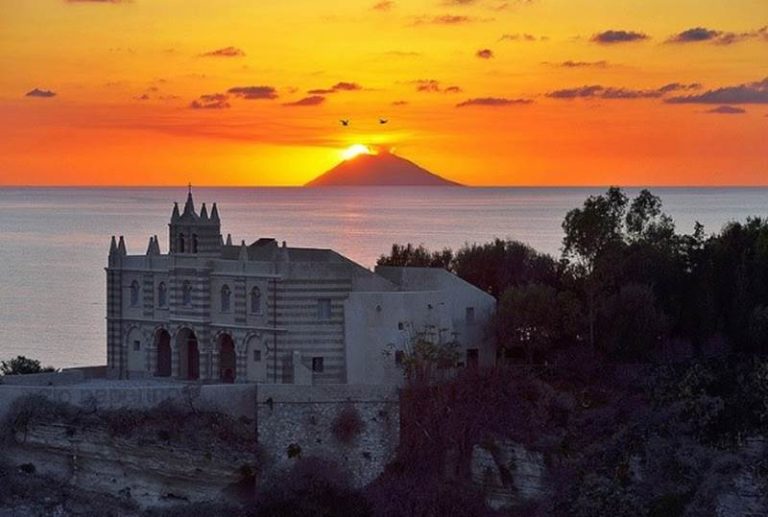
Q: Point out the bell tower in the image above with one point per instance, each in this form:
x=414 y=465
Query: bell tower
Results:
x=191 y=233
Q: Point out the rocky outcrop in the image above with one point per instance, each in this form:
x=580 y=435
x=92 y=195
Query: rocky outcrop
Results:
x=147 y=473
x=508 y=473
x=748 y=491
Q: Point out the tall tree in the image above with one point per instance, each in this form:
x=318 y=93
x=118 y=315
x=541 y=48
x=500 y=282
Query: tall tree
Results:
x=590 y=232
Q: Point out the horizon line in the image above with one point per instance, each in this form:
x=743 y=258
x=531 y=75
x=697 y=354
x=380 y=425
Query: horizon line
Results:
x=329 y=187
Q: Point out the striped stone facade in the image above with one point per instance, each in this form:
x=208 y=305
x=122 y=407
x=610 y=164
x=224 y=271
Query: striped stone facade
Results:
x=242 y=313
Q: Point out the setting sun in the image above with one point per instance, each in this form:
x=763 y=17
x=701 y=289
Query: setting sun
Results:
x=356 y=150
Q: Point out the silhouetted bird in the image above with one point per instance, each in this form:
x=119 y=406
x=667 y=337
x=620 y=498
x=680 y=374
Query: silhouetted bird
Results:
x=383 y=121
x=344 y=121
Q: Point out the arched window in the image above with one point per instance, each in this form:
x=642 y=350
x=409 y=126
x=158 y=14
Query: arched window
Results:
x=226 y=294
x=194 y=243
x=135 y=291
x=256 y=300
x=162 y=295
x=186 y=293
x=181 y=243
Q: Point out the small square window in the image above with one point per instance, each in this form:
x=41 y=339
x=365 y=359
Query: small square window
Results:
x=137 y=345
x=400 y=325
x=256 y=356
x=324 y=309
x=317 y=364
x=470 y=315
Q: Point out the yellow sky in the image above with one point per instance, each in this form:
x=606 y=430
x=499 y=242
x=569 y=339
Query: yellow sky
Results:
x=126 y=75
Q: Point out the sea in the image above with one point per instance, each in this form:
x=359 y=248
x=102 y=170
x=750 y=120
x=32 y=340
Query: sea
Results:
x=54 y=241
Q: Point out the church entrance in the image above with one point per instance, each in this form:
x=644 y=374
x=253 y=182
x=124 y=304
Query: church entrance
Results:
x=163 y=350
x=227 y=359
x=189 y=355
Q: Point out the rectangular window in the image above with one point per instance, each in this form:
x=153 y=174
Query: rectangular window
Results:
x=256 y=356
x=137 y=345
x=399 y=356
x=473 y=358
x=324 y=309
x=317 y=364
x=470 y=315
x=400 y=325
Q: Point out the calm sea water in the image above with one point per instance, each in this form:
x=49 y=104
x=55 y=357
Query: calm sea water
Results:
x=54 y=242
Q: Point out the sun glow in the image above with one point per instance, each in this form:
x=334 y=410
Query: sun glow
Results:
x=356 y=150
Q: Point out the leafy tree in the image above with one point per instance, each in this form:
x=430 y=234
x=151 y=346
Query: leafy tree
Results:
x=534 y=318
x=498 y=265
x=416 y=256
x=594 y=227
x=21 y=365
x=632 y=325
x=645 y=221
x=590 y=232
x=426 y=356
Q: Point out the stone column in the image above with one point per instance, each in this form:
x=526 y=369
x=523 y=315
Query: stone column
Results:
x=241 y=366
x=215 y=363
x=174 y=360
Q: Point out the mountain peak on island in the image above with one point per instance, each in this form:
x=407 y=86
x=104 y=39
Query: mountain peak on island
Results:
x=381 y=169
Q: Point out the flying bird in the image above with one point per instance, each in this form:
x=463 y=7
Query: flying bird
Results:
x=383 y=121
x=344 y=121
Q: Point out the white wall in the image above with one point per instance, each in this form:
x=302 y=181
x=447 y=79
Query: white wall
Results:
x=372 y=332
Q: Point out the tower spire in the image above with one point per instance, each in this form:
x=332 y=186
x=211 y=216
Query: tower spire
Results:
x=189 y=206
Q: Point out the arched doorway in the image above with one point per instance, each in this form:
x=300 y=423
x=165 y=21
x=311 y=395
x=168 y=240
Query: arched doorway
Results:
x=163 y=351
x=189 y=355
x=227 y=359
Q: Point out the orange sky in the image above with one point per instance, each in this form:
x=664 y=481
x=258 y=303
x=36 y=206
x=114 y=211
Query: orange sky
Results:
x=154 y=92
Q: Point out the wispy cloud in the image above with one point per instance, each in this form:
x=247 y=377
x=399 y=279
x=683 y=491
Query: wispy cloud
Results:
x=224 y=52
x=493 y=102
x=313 y=100
x=578 y=64
x=338 y=87
x=253 y=92
x=401 y=53
x=210 y=101
x=37 y=92
x=432 y=85
x=727 y=110
x=702 y=34
x=523 y=37
x=485 y=53
x=446 y=19
x=610 y=37
x=383 y=6
x=750 y=93
x=597 y=91
x=98 y=1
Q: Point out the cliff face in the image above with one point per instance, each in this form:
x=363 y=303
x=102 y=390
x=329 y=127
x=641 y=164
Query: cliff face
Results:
x=508 y=474
x=383 y=169
x=147 y=473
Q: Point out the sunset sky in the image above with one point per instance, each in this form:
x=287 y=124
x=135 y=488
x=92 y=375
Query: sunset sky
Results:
x=484 y=92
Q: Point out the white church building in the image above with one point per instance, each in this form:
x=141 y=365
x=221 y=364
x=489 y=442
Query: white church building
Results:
x=213 y=311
